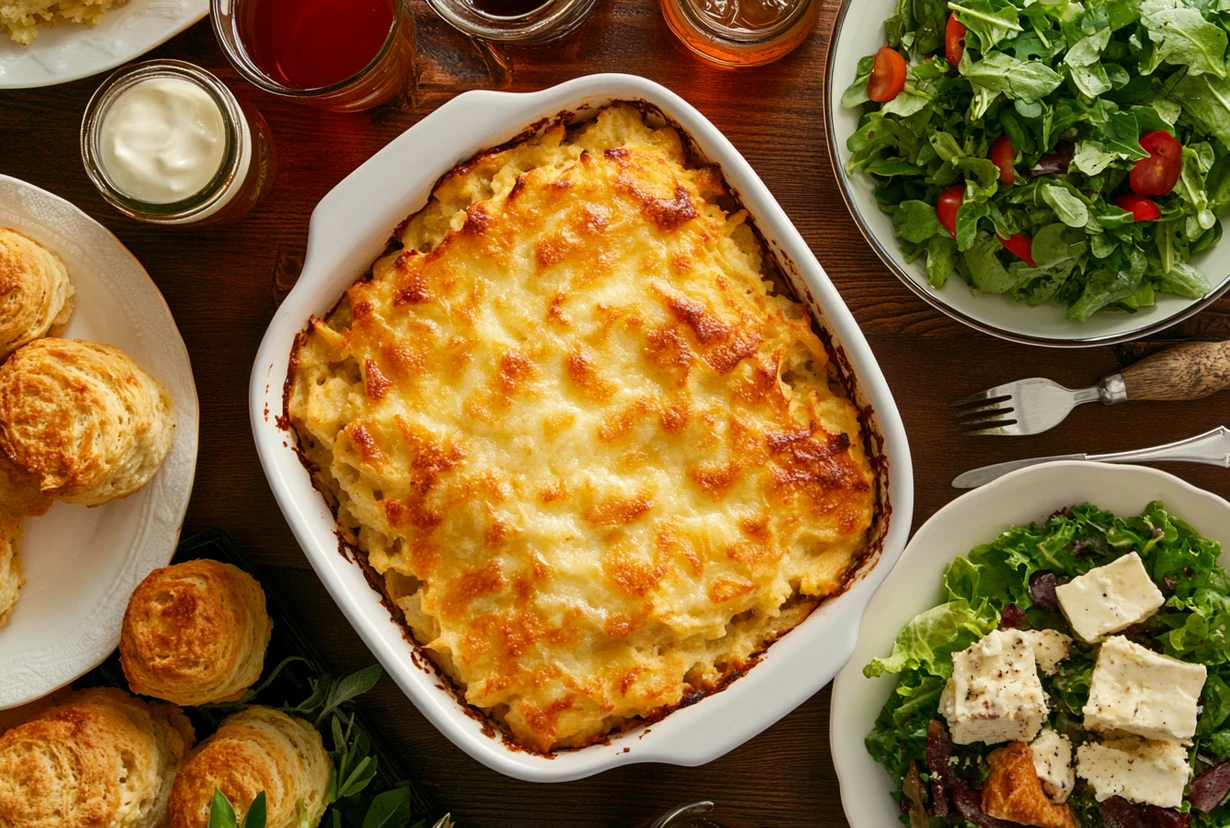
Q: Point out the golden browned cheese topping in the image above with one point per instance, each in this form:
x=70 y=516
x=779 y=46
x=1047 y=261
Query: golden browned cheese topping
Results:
x=596 y=459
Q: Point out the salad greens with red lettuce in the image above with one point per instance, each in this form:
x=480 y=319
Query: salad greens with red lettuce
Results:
x=1011 y=582
x=1051 y=150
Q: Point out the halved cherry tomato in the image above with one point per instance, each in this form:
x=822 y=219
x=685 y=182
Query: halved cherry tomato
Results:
x=1141 y=208
x=1003 y=154
x=954 y=39
x=1021 y=246
x=946 y=207
x=1157 y=174
x=887 y=75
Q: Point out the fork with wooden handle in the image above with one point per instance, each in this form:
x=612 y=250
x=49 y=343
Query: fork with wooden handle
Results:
x=1030 y=406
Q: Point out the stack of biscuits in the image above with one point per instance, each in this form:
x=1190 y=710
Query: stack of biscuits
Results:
x=194 y=633
x=79 y=421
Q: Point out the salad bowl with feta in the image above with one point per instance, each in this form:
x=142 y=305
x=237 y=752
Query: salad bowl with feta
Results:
x=1051 y=650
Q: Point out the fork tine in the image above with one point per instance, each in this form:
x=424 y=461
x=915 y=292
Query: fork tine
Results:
x=1010 y=429
x=996 y=394
x=986 y=423
x=997 y=408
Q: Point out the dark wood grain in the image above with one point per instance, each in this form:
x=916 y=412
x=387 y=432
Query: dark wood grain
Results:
x=223 y=285
x=1187 y=371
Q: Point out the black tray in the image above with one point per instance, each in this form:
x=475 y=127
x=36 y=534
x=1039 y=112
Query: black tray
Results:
x=292 y=684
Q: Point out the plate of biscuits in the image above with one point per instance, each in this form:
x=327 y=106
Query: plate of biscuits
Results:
x=98 y=438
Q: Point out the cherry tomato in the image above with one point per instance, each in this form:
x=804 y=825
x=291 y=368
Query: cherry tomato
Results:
x=1003 y=154
x=946 y=207
x=1020 y=246
x=1141 y=208
x=1157 y=174
x=887 y=75
x=954 y=39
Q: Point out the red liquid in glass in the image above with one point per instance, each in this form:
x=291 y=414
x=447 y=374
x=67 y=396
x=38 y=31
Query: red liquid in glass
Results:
x=306 y=44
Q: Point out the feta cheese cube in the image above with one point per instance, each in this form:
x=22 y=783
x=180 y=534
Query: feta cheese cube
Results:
x=994 y=694
x=1138 y=691
x=1110 y=598
x=1151 y=773
x=1053 y=762
x=1050 y=647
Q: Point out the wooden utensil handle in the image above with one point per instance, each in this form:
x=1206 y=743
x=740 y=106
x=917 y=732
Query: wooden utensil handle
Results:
x=1184 y=372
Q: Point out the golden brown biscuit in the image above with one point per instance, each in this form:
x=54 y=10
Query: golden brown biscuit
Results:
x=257 y=749
x=1014 y=793
x=35 y=293
x=100 y=759
x=195 y=633
x=11 y=579
x=83 y=419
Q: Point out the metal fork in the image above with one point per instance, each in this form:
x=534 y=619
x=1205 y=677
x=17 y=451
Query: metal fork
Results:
x=1031 y=406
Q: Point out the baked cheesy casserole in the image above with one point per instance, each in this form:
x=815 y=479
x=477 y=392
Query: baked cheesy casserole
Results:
x=595 y=460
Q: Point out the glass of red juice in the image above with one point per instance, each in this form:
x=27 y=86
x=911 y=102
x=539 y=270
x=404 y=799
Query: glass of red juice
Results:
x=344 y=55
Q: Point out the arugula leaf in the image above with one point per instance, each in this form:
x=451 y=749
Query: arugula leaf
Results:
x=856 y=92
x=916 y=221
x=1184 y=37
x=1106 y=287
x=982 y=268
x=1206 y=100
x=941 y=259
x=1068 y=208
x=991 y=21
x=1000 y=73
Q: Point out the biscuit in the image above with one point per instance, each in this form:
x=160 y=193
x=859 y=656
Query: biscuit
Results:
x=257 y=749
x=11 y=579
x=83 y=420
x=35 y=293
x=99 y=758
x=195 y=633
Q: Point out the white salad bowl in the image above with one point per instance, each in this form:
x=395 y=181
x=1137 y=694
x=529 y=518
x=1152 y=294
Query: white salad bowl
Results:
x=350 y=228
x=859 y=32
x=1025 y=496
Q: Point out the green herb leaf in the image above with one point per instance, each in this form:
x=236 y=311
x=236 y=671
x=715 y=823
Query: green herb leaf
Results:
x=255 y=817
x=390 y=809
x=221 y=814
x=933 y=636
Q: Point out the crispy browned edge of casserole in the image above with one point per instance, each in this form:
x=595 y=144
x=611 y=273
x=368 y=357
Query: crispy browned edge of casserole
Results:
x=777 y=263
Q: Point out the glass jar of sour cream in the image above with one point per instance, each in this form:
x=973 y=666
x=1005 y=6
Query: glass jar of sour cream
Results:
x=166 y=142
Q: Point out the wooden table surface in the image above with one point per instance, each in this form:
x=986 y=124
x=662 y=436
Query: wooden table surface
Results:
x=223 y=285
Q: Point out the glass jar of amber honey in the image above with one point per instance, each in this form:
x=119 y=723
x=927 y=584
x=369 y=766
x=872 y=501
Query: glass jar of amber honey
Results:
x=741 y=32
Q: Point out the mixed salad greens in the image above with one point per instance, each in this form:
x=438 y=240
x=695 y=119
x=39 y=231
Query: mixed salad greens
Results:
x=1052 y=150
x=1011 y=582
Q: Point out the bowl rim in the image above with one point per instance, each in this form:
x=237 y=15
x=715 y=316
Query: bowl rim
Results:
x=932 y=298
x=839 y=741
x=684 y=737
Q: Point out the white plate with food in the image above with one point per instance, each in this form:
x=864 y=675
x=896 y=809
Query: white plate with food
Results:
x=1149 y=542
x=81 y=562
x=599 y=536
x=62 y=50
x=1102 y=241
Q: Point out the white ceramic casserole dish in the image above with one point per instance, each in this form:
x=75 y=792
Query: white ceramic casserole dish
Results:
x=350 y=228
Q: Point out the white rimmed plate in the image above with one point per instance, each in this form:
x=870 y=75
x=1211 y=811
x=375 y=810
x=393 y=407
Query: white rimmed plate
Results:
x=70 y=51
x=914 y=585
x=859 y=32
x=349 y=229
x=81 y=564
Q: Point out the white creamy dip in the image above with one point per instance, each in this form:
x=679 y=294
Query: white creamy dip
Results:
x=162 y=140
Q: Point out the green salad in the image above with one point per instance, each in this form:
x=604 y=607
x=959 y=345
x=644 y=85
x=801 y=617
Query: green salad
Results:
x=1051 y=150
x=1010 y=584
